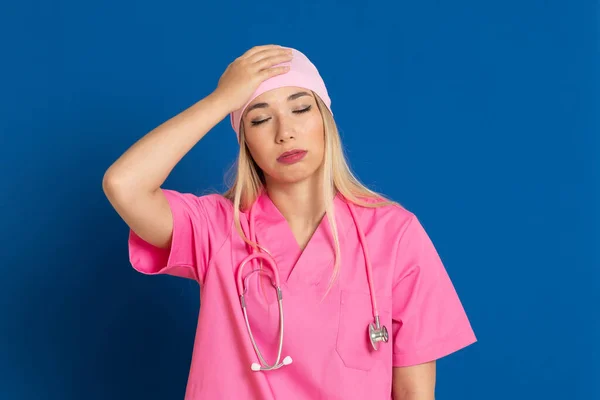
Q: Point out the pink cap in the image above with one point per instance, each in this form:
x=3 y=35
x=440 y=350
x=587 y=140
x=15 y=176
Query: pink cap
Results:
x=302 y=73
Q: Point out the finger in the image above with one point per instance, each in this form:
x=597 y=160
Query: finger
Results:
x=258 y=49
x=270 y=72
x=256 y=57
x=271 y=61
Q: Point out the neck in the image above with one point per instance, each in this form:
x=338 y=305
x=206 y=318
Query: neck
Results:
x=300 y=203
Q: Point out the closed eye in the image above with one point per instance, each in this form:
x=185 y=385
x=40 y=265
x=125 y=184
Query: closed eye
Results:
x=303 y=110
x=254 y=123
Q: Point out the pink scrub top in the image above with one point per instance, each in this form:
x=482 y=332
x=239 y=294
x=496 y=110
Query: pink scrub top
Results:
x=325 y=336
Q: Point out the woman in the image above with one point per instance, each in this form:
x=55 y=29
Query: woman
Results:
x=367 y=305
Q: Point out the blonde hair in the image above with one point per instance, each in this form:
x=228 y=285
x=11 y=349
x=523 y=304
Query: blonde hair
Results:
x=248 y=182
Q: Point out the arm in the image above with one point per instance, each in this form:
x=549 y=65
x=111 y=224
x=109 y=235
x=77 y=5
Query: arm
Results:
x=429 y=321
x=416 y=382
x=132 y=183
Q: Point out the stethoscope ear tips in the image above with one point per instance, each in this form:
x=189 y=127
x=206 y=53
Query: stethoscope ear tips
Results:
x=377 y=335
x=286 y=361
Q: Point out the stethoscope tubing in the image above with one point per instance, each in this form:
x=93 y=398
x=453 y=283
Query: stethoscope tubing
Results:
x=376 y=332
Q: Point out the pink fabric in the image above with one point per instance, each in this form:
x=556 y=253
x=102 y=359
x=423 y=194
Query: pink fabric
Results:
x=302 y=73
x=327 y=341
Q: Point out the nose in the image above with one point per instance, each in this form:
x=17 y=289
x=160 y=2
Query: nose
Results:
x=285 y=130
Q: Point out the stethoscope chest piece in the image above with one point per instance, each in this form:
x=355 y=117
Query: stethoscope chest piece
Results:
x=377 y=334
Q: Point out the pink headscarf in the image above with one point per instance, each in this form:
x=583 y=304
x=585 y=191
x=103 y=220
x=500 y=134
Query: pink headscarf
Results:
x=302 y=73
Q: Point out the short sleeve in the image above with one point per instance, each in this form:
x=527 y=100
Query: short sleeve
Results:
x=200 y=226
x=428 y=319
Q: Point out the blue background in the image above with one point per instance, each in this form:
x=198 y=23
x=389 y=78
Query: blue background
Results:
x=480 y=117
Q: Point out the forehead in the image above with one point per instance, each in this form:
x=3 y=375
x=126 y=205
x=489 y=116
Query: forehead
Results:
x=278 y=95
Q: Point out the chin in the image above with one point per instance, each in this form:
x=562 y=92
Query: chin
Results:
x=293 y=175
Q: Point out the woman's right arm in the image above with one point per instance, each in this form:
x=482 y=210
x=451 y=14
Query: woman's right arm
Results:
x=133 y=182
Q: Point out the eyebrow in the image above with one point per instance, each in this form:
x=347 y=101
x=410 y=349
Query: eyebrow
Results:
x=265 y=105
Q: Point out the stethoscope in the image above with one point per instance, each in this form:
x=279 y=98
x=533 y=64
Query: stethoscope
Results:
x=376 y=332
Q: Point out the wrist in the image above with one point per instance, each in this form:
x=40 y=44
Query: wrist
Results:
x=221 y=102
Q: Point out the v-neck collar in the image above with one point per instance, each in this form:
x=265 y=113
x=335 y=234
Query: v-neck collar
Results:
x=298 y=267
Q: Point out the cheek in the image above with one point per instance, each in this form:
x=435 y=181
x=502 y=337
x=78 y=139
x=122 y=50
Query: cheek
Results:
x=257 y=152
x=317 y=134
x=260 y=150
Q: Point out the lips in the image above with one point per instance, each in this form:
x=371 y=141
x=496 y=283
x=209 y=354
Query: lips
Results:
x=292 y=156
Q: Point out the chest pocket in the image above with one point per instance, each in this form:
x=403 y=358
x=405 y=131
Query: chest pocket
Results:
x=353 y=344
